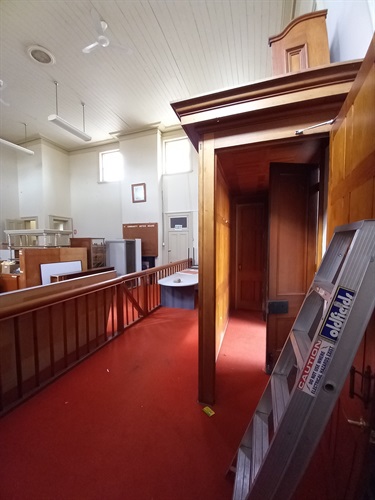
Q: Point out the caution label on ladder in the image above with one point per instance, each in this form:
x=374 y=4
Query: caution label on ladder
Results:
x=324 y=346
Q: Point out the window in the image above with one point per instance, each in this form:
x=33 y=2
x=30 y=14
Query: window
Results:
x=178 y=222
x=111 y=168
x=177 y=158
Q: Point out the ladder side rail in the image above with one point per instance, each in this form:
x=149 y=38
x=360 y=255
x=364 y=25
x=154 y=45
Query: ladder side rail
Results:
x=357 y=273
x=277 y=458
x=312 y=366
x=334 y=257
x=333 y=382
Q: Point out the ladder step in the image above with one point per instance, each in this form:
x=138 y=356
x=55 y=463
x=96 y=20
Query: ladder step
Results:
x=243 y=473
x=280 y=397
x=301 y=344
x=313 y=364
x=260 y=441
x=323 y=287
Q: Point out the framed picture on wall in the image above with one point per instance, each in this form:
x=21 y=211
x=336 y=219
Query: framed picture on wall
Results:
x=138 y=192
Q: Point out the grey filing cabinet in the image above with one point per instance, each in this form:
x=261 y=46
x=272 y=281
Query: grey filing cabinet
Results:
x=124 y=255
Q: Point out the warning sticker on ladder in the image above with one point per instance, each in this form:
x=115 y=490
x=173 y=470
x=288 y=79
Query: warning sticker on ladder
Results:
x=323 y=347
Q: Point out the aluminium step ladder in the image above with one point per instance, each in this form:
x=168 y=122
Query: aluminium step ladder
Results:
x=311 y=370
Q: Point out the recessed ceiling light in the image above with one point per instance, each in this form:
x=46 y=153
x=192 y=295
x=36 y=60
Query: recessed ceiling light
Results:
x=41 y=55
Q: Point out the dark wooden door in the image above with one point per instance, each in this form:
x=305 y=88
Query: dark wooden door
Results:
x=251 y=225
x=291 y=249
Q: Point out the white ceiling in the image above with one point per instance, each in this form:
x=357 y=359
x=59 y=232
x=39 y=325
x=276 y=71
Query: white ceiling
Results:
x=160 y=51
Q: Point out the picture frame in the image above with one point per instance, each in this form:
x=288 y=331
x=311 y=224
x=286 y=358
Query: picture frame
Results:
x=139 y=192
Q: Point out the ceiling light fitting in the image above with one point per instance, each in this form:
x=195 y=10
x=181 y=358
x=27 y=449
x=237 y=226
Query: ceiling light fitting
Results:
x=41 y=55
x=16 y=147
x=81 y=134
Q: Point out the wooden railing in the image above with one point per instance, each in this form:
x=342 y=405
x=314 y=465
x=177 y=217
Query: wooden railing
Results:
x=42 y=338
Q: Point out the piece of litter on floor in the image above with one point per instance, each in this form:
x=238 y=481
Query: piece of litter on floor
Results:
x=108 y=370
x=208 y=411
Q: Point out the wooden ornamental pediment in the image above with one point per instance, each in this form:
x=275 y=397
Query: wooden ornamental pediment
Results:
x=301 y=45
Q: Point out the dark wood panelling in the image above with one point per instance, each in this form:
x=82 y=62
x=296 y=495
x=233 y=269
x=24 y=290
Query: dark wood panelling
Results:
x=251 y=228
x=351 y=197
x=289 y=266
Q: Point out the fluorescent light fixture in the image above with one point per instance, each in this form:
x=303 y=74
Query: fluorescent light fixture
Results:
x=69 y=128
x=16 y=147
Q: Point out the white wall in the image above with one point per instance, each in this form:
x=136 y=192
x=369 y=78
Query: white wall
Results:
x=142 y=158
x=100 y=209
x=180 y=194
x=30 y=184
x=95 y=207
x=350 y=26
x=9 y=208
x=56 y=183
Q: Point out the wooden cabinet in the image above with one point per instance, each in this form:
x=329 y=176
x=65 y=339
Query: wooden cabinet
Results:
x=95 y=250
x=9 y=282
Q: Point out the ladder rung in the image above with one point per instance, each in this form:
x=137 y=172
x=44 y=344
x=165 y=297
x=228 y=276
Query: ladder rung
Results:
x=323 y=288
x=301 y=344
x=260 y=441
x=318 y=353
x=243 y=473
x=280 y=397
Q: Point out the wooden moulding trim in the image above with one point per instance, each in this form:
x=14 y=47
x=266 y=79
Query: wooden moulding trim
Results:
x=304 y=96
x=314 y=87
x=298 y=20
x=271 y=87
x=277 y=121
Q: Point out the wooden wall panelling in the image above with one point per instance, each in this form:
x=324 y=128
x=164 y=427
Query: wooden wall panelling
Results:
x=207 y=268
x=222 y=244
x=351 y=197
x=352 y=152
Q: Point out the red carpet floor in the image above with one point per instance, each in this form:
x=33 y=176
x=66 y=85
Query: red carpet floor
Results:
x=125 y=424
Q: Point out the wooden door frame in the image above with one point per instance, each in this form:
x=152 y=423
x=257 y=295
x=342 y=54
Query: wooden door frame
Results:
x=256 y=199
x=167 y=215
x=268 y=110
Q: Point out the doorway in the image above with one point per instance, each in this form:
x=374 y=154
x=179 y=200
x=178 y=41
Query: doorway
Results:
x=278 y=231
x=179 y=237
x=292 y=244
x=251 y=235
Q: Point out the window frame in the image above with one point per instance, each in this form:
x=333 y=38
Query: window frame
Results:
x=190 y=161
x=102 y=179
